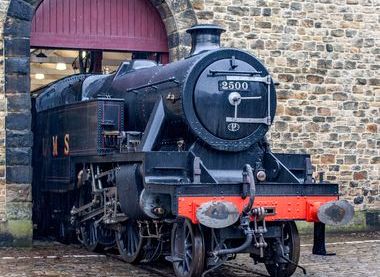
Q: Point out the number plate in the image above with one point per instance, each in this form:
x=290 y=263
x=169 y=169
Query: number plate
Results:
x=234 y=85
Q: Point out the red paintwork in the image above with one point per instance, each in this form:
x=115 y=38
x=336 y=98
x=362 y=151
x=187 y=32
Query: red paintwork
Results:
x=287 y=207
x=127 y=25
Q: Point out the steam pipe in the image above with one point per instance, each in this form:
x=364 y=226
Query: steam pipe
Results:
x=245 y=245
x=248 y=239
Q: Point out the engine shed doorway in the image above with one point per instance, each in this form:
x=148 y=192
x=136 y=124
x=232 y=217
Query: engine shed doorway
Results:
x=72 y=36
x=87 y=36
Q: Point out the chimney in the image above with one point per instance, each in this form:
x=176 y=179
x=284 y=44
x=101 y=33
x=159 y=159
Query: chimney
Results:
x=204 y=37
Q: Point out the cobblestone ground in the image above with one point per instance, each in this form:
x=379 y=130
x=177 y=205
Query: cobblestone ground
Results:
x=356 y=255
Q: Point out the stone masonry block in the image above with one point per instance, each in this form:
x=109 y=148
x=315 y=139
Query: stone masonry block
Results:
x=170 y=25
x=19 y=138
x=20 y=9
x=163 y=9
x=17 y=83
x=18 y=121
x=19 y=210
x=18 y=65
x=19 y=174
x=180 y=5
x=19 y=193
x=198 y=4
x=18 y=102
x=186 y=19
x=15 y=27
x=34 y=3
x=19 y=156
x=16 y=233
x=173 y=40
x=16 y=47
x=205 y=15
x=238 y=10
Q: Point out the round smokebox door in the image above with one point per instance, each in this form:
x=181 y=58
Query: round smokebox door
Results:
x=229 y=104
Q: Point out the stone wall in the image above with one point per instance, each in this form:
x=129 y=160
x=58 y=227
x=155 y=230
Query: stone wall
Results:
x=3 y=9
x=15 y=124
x=326 y=56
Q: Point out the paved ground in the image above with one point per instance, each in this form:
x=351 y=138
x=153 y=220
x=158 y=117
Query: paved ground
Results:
x=357 y=255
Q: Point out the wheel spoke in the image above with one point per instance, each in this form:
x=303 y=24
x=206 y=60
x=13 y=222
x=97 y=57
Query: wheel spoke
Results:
x=133 y=249
x=122 y=237
x=93 y=234
x=182 y=267
x=129 y=243
x=187 y=234
x=135 y=241
x=189 y=255
x=187 y=264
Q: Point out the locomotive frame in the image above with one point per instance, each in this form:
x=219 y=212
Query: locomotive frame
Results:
x=150 y=160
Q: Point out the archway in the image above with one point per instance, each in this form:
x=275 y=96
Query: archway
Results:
x=18 y=136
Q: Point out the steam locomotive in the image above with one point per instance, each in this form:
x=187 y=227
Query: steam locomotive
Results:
x=172 y=161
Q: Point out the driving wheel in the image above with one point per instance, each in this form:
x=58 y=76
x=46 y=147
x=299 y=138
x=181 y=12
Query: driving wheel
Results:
x=89 y=236
x=187 y=248
x=291 y=249
x=129 y=242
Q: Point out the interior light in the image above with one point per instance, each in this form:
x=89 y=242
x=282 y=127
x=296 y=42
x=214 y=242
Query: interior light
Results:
x=61 y=66
x=40 y=76
x=41 y=55
x=106 y=70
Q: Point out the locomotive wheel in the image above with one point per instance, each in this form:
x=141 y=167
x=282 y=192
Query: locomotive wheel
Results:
x=64 y=234
x=187 y=249
x=129 y=242
x=106 y=237
x=88 y=230
x=89 y=234
x=291 y=246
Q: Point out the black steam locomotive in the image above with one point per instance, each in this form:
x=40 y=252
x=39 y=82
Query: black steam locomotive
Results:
x=172 y=161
